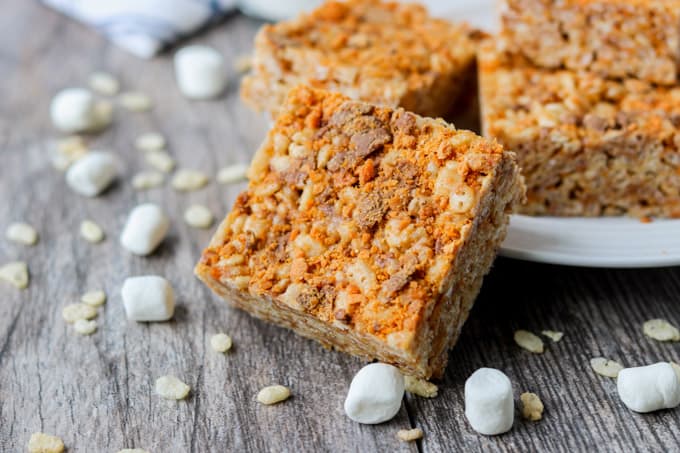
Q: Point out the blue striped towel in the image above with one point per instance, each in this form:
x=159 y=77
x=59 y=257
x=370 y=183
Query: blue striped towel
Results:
x=144 y=27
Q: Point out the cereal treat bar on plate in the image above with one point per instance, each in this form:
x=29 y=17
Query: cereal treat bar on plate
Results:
x=614 y=38
x=366 y=228
x=587 y=146
x=385 y=53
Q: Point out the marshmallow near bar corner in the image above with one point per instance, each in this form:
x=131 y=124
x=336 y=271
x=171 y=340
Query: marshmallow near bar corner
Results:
x=489 y=405
x=92 y=174
x=375 y=394
x=366 y=228
x=148 y=298
x=649 y=388
x=145 y=229
x=200 y=72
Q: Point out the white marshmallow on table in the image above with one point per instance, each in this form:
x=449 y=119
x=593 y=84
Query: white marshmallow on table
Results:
x=200 y=72
x=649 y=388
x=92 y=174
x=77 y=110
x=489 y=406
x=148 y=298
x=145 y=229
x=375 y=394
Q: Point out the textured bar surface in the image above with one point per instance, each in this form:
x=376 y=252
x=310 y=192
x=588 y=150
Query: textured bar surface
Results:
x=384 y=53
x=614 y=38
x=587 y=146
x=366 y=228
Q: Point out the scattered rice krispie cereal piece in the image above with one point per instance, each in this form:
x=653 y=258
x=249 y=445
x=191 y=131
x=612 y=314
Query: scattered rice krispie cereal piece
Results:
x=355 y=225
x=45 y=443
x=661 y=330
x=529 y=341
x=420 y=387
x=605 y=367
x=94 y=298
x=91 y=232
x=22 y=233
x=220 y=342
x=273 y=394
x=66 y=151
x=232 y=173
x=149 y=179
x=243 y=63
x=198 y=216
x=135 y=101
x=554 y=335
x=15 y=273
x=171 y=388
x=532 y=406
x=150 y=141
x=85 y=327
x=186 y=180
x=409 y=435
x=73 y=312
x=386 y=53
x=160 y=160
x=103 y=111
x=104 y=83
x=132 y=450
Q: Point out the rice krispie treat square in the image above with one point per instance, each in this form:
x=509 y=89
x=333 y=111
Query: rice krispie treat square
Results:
x=385 y=53
x=614 y=38
x=587 y=146
x=366 y=228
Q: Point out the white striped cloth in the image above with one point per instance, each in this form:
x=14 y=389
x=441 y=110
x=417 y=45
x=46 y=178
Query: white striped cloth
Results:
x=144 y=27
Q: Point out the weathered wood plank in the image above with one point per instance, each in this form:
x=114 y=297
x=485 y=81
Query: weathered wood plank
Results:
x=601 y=313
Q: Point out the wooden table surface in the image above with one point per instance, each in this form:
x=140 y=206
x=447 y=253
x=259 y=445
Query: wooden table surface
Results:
x=97 y=392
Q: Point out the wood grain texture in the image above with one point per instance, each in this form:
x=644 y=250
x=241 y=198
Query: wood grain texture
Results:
x=97 y=392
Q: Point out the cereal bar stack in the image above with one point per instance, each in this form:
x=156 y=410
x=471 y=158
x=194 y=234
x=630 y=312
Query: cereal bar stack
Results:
x=586 y=92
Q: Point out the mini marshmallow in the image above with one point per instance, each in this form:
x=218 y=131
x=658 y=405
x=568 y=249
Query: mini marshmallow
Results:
x=76 y=110
x=649 y=388
x=489 y=406
x=92 y=174
x=375 y=394
x=148 y=298
x=146 y=227
x=200 y=72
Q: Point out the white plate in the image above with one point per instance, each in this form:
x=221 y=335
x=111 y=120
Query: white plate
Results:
x=600 y=242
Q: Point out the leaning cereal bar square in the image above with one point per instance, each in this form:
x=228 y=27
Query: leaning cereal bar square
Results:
x=366 y=228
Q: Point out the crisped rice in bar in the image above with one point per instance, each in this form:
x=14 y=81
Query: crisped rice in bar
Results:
x=366 y=228
x=588 y=146
x=385 y=53
x=614 y=38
